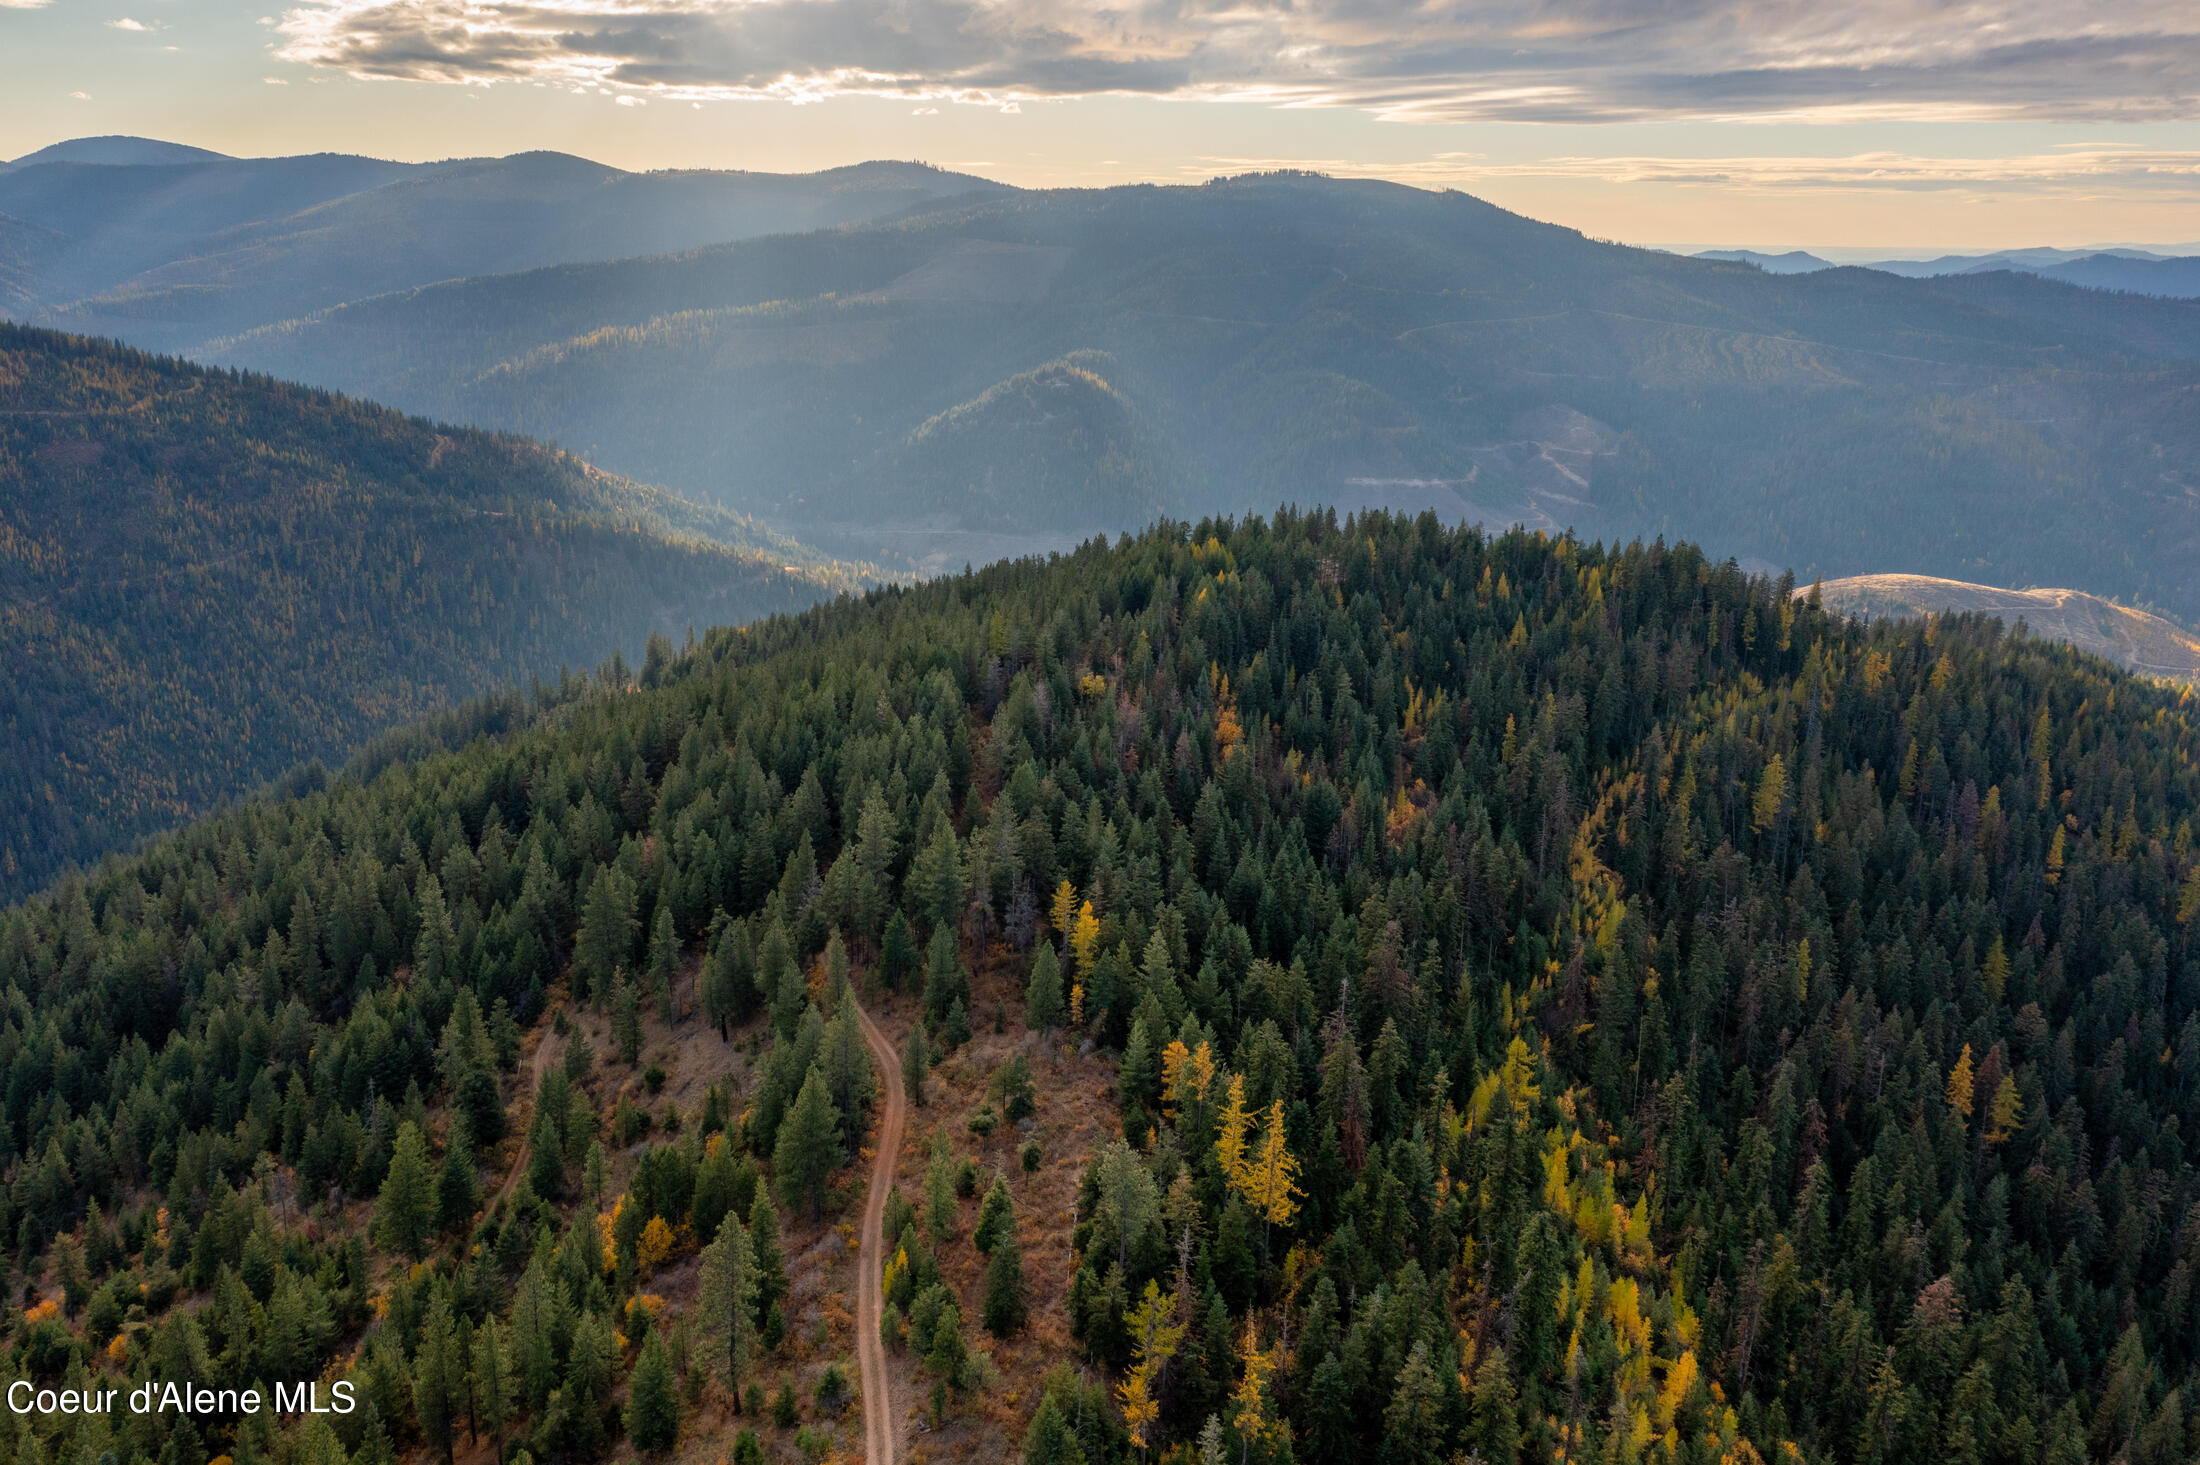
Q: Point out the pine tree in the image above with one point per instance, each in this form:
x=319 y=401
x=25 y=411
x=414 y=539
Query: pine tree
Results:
x=492 y=1386
x=1496 y=1412
x=458 y=1186
x=771 y=1266
x=1043 y=1010
x=433 y=948
x=726 y=1296
x=626 y=1019
x=809 y=1148
x=851 y=1080
x=944 y=983
x=897 y=952
x=438 y=1380
x=1004 y=1286
x=404 y=1215
x=546 y=1155
x=729 y=977
x=653 y=1404
x=664 y=961
x=916 y=1062
x=606 y=936
x=996 y=1216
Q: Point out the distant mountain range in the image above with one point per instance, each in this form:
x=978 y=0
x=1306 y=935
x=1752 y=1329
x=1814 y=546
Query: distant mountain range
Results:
x=2146 y=643
x=206 y=579
x=1013 y=372
x=901 y=364
x=2138 y=271
x=168 y=246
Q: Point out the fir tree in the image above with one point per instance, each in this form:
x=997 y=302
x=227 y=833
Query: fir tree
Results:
x=458 y=1186
x=726 y=1298
x=653 y=1404
x=438 y=1379
x=1043 y=1010
x=404 y=1215
x=996 y=1216
x=1005 y=1309
x=809 y=1147
x=771 y=1267
x=916 y=1062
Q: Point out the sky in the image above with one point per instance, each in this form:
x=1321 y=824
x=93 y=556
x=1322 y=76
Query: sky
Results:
x=1900 y=124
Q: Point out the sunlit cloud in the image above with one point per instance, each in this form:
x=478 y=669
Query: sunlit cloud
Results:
x=2080 y=171
x=1521 y=60
x=127 y=24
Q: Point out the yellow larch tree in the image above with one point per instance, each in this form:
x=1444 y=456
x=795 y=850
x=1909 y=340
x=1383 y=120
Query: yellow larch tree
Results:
x=1063 y=908
x=1250 y=1402
x=1186 y=1074
x=1270 y=1180
x=2004 y=1112
x=1959 y=1087
x=1155 y=1333
x=1230 y=1137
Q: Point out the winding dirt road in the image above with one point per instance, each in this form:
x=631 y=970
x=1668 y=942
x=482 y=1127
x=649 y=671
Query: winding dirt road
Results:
x=880 y=1418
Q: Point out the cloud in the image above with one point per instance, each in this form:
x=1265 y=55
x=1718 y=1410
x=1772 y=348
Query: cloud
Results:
x=1434 y=60
x=2075 y=172
x=127 y=24
x=24 y=4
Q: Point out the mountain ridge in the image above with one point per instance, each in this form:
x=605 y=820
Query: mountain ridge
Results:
x=208 y=577
x=1324 y=341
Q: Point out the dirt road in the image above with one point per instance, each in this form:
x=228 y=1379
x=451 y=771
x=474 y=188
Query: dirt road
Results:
x=881 y=1421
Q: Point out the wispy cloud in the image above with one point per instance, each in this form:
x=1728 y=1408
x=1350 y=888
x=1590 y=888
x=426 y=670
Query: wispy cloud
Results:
x=1539 y=60
x=2077 y=171
x=127 y=24
x=24 y=4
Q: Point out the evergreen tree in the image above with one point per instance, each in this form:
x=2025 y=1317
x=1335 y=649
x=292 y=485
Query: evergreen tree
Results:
x=897 y=952
x=944 y=982
x=404 y=1215
x=809 y=1148
x=1005 y=1307
x=996 y=1216
x=492 y=1381
x=916 y=1062
x=458 y=1186
x=771 y=1267
x=851 y=1081
x=1043 y=1010
x=664 y=962
x=652 y=1405
x=626 y=1019
x=438 y=1379
x=726 y=1306
x=606 y=936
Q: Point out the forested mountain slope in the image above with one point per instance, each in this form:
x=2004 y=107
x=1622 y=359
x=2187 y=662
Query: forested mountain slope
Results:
x=1298 y=339
x=206 y=578
x=168 y=250
x=1569 y=1004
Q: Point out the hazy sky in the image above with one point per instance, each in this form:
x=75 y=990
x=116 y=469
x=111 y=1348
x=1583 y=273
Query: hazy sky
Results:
x=1913 y=123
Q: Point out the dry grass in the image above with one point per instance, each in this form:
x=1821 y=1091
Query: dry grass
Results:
x=1075 y=1117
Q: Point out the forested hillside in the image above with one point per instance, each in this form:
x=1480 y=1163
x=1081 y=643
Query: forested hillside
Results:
x=169 y=248
x=206 y=578
x=1294 y=339
x=1565 y=1003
